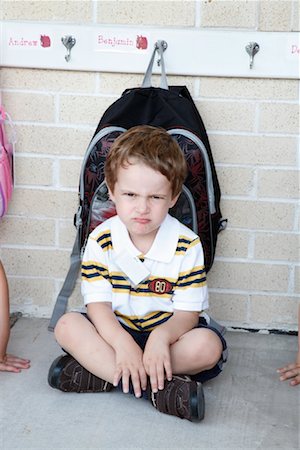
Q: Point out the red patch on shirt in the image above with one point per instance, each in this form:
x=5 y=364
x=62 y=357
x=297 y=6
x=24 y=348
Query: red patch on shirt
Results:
x=160 y=286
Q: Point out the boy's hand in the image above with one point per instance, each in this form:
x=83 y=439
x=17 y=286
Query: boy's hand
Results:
x=157 y=360
x=129 y=356
x=129 y=365
x=290 y=372
x=11 y=363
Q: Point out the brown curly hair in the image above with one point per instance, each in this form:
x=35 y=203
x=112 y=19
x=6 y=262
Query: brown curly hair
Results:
x=151 y=146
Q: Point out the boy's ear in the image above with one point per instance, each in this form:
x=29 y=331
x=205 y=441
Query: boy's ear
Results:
x=174 y=200
x=110 y=193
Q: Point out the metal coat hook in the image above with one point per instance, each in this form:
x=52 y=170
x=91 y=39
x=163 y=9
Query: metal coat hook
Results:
x=163 y=45
x=68 y=42
x=252 y=48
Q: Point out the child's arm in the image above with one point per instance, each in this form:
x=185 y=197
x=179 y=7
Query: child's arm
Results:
x=189 y=298
x=157 y=360
x=8 y=363
x=292 y=371
x=4 y=314
x=129 y=356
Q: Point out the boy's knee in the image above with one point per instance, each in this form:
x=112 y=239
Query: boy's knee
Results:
x=214 y=352
x=214 y=356
x=210 y=348
x=64 y=326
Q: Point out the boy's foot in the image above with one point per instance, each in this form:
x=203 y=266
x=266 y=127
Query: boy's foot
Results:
x=68 y=375
x=181 y=397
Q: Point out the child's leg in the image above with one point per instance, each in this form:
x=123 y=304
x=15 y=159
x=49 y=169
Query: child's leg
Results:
x=181 y=397
x=196 y=351
x=78 y=336
x=198 y=354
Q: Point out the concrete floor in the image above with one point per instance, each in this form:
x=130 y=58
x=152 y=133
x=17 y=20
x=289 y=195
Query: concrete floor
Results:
x=246 y=406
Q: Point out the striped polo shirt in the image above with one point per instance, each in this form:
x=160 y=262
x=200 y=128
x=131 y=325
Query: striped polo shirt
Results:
x=176 y=278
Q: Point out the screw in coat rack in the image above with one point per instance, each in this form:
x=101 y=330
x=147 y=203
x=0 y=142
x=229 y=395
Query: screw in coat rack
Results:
x=68 y=42
x=252 y=48
x=160 y=45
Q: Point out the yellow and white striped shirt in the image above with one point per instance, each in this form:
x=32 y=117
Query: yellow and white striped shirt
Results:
x=175 y=263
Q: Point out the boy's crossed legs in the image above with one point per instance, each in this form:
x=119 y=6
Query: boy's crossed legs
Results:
x=198 y=354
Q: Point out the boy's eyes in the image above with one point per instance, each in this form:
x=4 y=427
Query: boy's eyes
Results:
x=156 y=197
x=132 y=195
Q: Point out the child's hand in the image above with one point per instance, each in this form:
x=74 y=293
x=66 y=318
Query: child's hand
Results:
x=129 y=365
x=157 y=361
x=290 y=372
x=11 y=363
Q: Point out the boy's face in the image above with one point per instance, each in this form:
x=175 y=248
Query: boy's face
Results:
x=142 y=197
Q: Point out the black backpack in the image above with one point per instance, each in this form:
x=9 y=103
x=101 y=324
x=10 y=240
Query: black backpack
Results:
x=173 y=109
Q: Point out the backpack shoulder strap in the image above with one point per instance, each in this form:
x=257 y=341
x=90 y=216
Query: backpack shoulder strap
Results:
x=68 y=286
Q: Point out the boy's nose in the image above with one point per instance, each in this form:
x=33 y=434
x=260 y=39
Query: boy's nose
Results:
x=142 y=205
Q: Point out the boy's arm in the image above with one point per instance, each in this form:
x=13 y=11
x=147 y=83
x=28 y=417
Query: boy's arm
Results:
x=96 y=289
x=190 y=297
x=129 y=356
x=157 y=360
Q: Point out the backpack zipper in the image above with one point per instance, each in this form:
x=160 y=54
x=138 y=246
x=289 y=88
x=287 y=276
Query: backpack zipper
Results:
x=191 y=202
x=78 y=220
x=90 y=215
x=201 y=146
x=92 y=144
x=209 y=180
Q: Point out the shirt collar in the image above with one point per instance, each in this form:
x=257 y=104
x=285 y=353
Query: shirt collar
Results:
x=165 y=243
x=120 y=238
x=163 y=248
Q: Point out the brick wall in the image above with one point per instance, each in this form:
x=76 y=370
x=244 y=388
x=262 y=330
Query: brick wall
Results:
x=252 y=126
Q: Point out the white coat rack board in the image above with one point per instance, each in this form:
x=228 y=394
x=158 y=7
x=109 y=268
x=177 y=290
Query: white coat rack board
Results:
x=221 y=53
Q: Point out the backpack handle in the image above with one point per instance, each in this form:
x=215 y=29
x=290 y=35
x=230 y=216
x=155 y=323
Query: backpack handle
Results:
x=160 y=47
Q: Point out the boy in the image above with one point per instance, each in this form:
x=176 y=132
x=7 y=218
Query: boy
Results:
x=144 y=285
x=8 y=363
